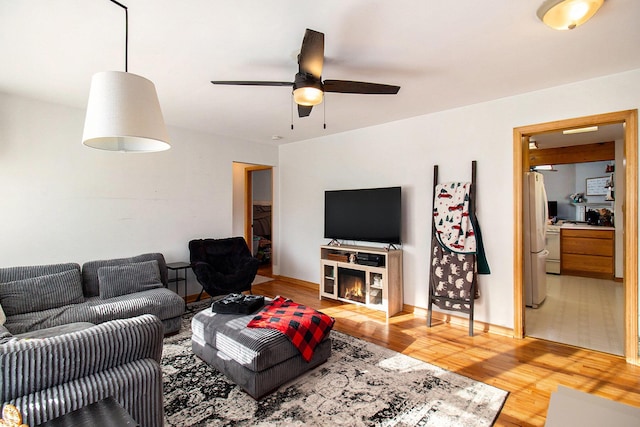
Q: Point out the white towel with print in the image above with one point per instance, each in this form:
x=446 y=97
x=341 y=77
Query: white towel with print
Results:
x=452 y=219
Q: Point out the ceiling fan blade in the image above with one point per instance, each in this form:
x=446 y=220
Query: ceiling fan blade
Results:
x=347 y=86
x=303 y=110
x=250 y=83
x=311 y=55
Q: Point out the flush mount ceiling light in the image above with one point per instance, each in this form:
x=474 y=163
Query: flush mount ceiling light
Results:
x=580 y=130
x=548 y=168
x=567 y=14
x=123 y=112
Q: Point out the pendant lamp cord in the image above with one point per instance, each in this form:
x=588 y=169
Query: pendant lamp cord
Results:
x=126 y=35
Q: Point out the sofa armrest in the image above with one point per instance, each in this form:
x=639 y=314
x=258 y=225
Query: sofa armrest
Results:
x=31 y=365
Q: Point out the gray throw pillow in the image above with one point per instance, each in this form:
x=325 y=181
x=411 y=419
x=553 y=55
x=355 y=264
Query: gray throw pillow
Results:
x=41 y=293
x=126 y=279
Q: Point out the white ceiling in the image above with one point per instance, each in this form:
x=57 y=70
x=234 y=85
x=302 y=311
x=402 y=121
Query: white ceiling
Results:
x=444 y=54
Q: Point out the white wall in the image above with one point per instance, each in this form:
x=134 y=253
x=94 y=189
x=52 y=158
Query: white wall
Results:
x=559 y=185
x=590 y=170
x=404 y=152
x=262 y=186
x=569 y=179
x=61 y=201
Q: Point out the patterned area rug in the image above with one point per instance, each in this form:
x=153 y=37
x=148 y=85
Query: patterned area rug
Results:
x=361 y=384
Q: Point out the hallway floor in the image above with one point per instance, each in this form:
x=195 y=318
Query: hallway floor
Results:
x=580 y=311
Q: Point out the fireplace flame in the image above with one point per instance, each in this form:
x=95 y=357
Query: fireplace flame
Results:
x=351 y=285
x=354 y=292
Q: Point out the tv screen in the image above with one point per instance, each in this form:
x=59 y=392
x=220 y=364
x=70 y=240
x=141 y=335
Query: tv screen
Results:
x=553 y=209
x=367 y=215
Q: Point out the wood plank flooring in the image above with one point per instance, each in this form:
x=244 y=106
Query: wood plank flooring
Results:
x=530 y=369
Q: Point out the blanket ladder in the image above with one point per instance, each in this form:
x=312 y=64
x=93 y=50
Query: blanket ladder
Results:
x=433 y=298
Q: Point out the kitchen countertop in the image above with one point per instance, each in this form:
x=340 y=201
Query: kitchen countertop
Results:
x=580 y=226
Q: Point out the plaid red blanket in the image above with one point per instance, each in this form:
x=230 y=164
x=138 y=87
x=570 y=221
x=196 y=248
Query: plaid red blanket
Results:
x=304 y=326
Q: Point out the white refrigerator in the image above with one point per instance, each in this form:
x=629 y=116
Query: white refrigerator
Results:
x=535 y=227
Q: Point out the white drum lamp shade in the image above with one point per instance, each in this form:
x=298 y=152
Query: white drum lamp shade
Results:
x=123 y=114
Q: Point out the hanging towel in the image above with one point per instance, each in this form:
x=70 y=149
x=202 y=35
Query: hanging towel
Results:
x=456 y=228
x=451 y=217
x=453 y=276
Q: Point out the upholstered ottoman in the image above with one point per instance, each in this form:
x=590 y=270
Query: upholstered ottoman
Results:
x=258 y=360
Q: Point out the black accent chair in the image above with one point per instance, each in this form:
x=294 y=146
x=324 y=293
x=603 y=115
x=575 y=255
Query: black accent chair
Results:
x=222 y=266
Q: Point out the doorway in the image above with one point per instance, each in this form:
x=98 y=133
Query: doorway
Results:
x=630 y=212
x=584 y=304
x=258 y=209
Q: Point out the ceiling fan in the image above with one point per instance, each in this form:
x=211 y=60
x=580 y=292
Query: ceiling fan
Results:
x=308 y=87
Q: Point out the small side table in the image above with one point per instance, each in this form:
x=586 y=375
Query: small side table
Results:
x=176 y=267
x=104 y=413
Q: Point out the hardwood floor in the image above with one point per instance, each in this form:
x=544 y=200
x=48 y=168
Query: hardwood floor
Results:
x=530 y=369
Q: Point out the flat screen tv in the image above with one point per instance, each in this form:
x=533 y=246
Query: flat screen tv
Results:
x=552 y=207
x=366 y=215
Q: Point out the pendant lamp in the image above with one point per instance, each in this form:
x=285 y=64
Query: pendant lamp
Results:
x=567 y=14
x=123 y=112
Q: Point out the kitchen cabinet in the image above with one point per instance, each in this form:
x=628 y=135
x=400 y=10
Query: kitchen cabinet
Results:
x=587 y=252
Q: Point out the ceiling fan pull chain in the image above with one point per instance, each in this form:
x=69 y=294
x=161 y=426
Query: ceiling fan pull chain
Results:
x=292 y=102
x=324 y=111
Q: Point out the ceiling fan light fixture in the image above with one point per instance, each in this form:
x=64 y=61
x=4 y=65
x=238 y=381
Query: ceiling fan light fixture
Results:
x=307 y=96
x=567 y=14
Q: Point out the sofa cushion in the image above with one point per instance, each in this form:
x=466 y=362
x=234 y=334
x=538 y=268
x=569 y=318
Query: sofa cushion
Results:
x=41 y=293
x=10 y=274
x=161 y=302
x=126 y=279
x=55 y=331
x=90 y=270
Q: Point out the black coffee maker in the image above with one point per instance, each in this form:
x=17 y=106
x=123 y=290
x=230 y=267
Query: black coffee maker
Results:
x=593 y=217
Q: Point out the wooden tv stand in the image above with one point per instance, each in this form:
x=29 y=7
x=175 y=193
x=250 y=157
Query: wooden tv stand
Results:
x=372 y=279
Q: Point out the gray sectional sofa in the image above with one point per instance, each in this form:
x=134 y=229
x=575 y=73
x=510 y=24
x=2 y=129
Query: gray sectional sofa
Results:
x=49 y=377
x=35 y=298
x=70 y=336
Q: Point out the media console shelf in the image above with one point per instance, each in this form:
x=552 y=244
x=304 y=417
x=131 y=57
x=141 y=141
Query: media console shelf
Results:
x=362 y=275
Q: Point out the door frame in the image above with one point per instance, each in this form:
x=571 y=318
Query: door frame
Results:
x=248 y=202
x=629 y=118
